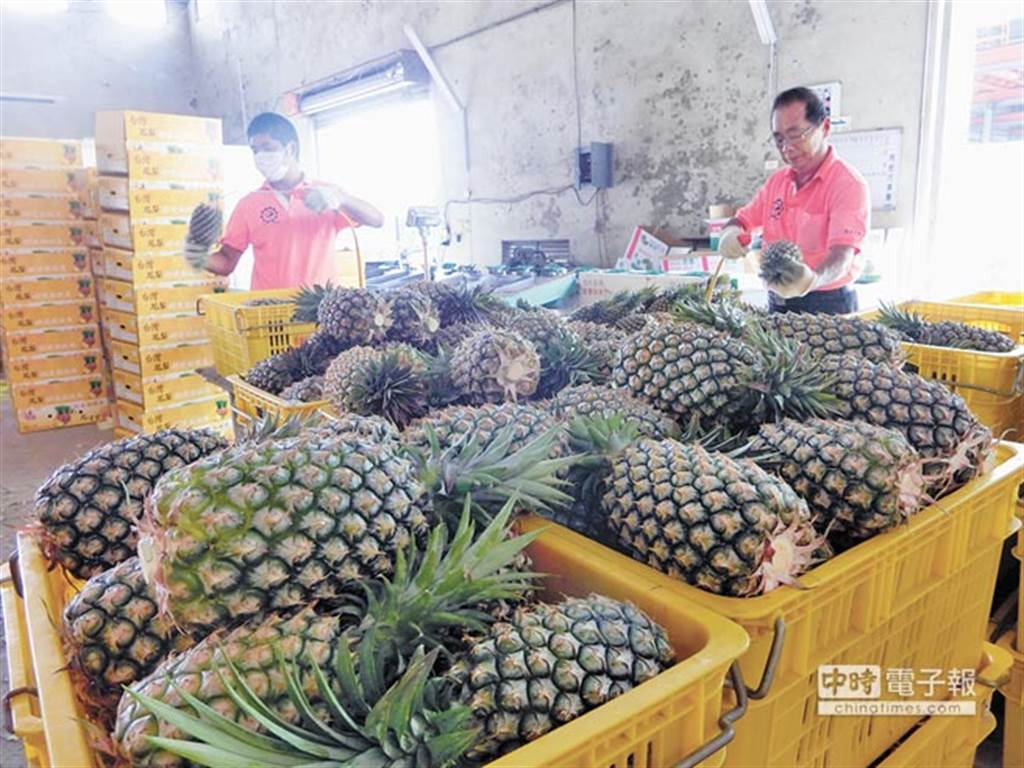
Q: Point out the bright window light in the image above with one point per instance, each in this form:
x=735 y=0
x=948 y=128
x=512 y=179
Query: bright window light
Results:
x=37 y=6
x=142 y=13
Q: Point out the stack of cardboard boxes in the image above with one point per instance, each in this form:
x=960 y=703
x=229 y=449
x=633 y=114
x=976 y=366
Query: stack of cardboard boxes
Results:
x=49 y=322
x=153 y=170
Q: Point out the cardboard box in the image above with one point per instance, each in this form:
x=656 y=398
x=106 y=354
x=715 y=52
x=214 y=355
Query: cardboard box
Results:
x=118 y=230
x=49 y=341
x=23 y=236
x=115 y=129
x=153 y=394
x=22 y=181
x=41 y=418
x=62 y=314
x=177 y=299
x=149 y=331
x=152 y=362
x=175 y=163
x=97 y=261
x=66 y=365
x=90 y=195
x=46 y=289
x=597 y=285
x=41 y=208
x=16 y=152
x=18 y=265
x=150 y=270
x=34 y=394
x=211 y=412
x=154 y=201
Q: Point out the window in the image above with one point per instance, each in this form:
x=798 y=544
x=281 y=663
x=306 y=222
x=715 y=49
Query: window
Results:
x=997 y=94
x=388 y=154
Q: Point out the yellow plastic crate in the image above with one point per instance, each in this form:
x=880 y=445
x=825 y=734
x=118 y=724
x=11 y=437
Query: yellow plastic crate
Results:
x=951 y=741
x=916 y=597
x=657 y=724
x=992 y=298
x=254 y=402
x=242 y=336
x=1013 y=696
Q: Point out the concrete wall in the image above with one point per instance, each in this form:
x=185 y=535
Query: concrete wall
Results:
x=681 y=88
x=88 y=62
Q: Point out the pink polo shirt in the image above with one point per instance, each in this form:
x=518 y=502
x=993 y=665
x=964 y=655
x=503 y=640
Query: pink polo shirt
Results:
x=292 y=245
x=833 y=208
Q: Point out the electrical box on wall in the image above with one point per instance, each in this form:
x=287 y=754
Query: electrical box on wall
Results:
x=594 y=165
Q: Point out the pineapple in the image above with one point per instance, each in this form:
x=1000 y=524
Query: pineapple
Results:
x=457 y=303
x=305 y=390
x=494 y=365
x=913 y=327
x=564 y=357
x=856 y=478
x=602 y=340
x=277 y=372
x=354 y=316
x=268 y=302
x=87 y=510
x=633 y=323
x=374 y=428
x=427 y=602
x=723 y=525
x=821 y=334
x=542 y=328
x=281 y=523
x=936 y=423
x=589 y=400
x=450 y=336
x=390 y=381
x=113 y=633
x=552 y=662
x=609 y=311
x=307 y=302
x=317 y=352
x=415 y=319
x=482 y=423
x=780 y=262
x=339 y=374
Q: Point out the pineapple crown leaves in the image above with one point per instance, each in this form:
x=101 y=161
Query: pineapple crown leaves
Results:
x=493 y=474
x=307 y=302
x=785 y=381
x=397 y=724
x=271 y=426
x=723 y=316
x=904 y=321
x=391 y=385
x=566 y=361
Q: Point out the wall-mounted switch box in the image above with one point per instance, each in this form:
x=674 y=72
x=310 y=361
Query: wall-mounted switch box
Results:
x=594 y=165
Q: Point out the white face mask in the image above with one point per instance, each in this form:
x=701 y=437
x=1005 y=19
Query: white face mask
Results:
x=272 y=164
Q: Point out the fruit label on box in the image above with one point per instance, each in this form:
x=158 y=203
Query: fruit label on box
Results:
x=34 y=290
x=152 y=394
x=52 y=367
x=43 y=235
x=37 y=393
x=147 y=331
x=40 y=153
x=192 y=415
x=21 y=181
x=37 y=263
x=144 y=239
x=56 y=315
x=52 y=341
x=164 y=300
x=150 y=204
x=154 y=126
x=40 y=418
x=150 y=362
x=175 y=164
x=147 y=270
x=42 y=208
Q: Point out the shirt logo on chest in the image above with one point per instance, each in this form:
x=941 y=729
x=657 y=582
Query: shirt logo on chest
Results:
x=777 y=208
x=269 y=215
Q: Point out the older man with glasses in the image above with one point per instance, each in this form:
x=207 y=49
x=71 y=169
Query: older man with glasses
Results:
x=817 y=201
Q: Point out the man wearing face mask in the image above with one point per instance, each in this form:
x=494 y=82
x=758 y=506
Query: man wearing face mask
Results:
x=290 y=222
x=818 y=202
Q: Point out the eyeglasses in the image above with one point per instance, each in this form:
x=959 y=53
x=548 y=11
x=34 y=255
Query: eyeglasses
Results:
x=792 y=139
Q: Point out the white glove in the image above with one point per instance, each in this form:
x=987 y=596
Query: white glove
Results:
x=203 y=232
x=729 y=244
x=802 y=284
x=322 y=198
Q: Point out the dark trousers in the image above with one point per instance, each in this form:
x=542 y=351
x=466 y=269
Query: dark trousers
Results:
x=840 y=301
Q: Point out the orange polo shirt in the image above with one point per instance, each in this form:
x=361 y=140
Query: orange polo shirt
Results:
x=292 y=245
x=833 y=208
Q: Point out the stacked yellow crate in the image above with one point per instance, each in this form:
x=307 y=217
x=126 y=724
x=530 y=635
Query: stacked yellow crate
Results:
x=49 y=319
x=153 y=170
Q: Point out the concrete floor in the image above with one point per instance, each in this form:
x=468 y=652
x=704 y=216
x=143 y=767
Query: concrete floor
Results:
x=25 y=462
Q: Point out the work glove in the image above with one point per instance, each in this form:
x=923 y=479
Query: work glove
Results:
x=322 y=198
x=803 y=281
x=203 y=232
x=733 y=242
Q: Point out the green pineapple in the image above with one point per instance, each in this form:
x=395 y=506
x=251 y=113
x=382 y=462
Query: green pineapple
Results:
x=277 y=372
x=484 y=423
x=415 y=319
x=87 y=509
x=781 y=262
x=590 y=400
x=307 y=390
x=354 y=316
x=494 y=365
x=947 y=333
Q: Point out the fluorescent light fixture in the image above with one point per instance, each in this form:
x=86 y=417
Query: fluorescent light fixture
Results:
x=141 y=13
x=763 y=20
x=37 y=7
